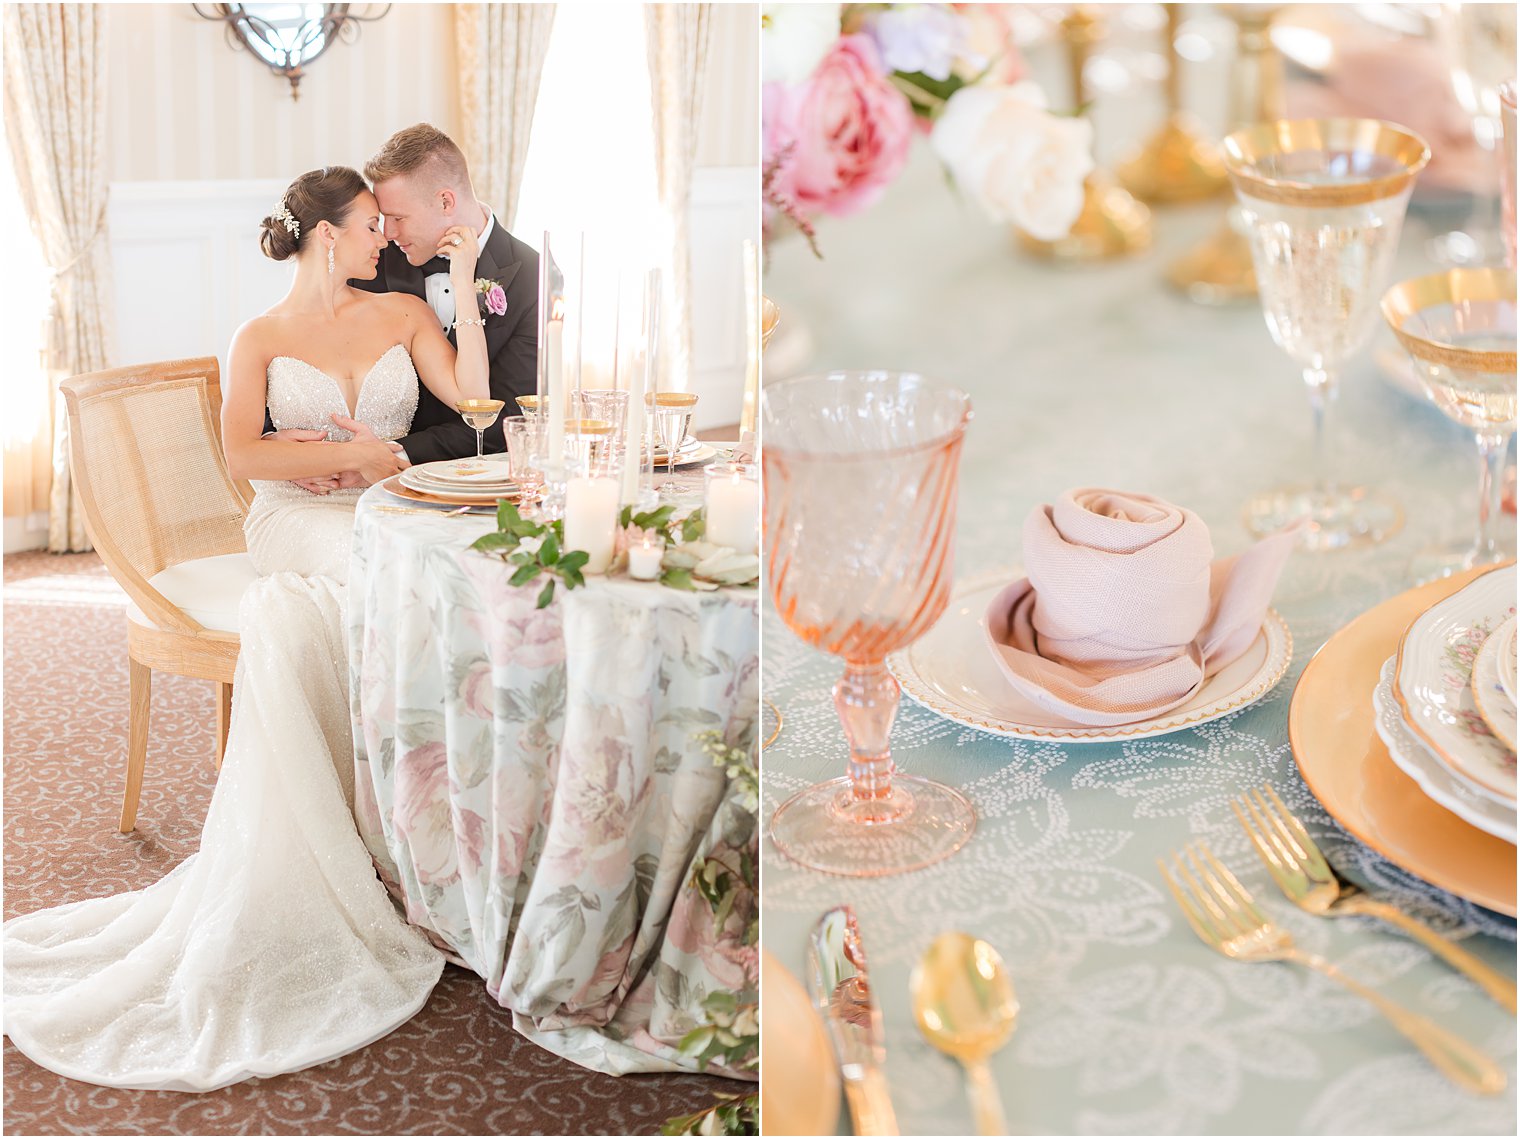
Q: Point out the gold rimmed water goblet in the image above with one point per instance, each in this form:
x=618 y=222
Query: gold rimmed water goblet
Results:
x=1323 y=201
x=860 y=493
x=672 y=417
x=480 y=414
x=1459 y=328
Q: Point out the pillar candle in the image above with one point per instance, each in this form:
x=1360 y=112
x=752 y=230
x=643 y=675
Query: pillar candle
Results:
x=733 y=509
x=591 y=508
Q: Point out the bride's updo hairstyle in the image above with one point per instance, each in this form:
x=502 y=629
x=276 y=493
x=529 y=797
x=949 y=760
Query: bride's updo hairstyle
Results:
x=316 y=196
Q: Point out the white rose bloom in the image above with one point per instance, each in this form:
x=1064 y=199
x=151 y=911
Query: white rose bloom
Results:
x=1022 y=164
x=793 y=38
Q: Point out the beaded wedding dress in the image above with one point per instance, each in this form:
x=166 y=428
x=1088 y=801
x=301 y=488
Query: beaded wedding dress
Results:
x=275 y=947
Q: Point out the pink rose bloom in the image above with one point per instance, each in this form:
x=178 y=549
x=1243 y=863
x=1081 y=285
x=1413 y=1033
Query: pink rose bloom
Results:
x=476 y=691
x=496 y=299
x=845 y=132
x=422 y=814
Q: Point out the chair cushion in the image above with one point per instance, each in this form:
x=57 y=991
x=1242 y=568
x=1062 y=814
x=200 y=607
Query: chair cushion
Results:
x=207 y=589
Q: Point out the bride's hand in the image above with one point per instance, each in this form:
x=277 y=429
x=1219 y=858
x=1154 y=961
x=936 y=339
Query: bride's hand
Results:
x=460 y=245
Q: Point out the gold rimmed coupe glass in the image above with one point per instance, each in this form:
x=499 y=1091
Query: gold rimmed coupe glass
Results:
x=672 y=416
x=860 y=492
x=1323 y=202
x=480 y=414
x=528 y=404
x=1459 y=328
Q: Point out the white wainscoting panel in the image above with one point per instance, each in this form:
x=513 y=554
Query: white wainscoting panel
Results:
x=187 y=267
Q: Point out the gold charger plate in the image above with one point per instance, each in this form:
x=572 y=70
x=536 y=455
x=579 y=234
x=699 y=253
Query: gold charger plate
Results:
x=800 y=1092
x=394 y=486
x=1347 y=767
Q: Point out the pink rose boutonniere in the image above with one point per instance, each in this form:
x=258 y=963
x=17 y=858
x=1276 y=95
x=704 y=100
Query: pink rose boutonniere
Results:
x=491 y=296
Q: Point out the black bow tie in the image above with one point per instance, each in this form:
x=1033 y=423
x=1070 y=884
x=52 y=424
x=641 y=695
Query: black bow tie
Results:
x=436 y=265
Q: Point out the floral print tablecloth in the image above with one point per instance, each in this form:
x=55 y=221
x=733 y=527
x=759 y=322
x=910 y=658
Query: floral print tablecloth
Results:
x=530 y=783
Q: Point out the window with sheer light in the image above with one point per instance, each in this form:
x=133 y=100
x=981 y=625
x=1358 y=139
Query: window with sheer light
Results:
x=28 y=434
x=590 y=170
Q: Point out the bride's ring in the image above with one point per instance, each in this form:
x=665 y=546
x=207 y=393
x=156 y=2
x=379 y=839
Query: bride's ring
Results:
x=458 y=241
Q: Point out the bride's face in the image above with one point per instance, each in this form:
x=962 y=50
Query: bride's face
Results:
x=360 y=240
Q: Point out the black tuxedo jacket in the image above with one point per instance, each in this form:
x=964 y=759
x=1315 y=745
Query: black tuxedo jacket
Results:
x=511 y=343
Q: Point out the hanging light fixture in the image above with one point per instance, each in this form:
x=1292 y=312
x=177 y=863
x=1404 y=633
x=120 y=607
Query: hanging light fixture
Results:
x=289 y=37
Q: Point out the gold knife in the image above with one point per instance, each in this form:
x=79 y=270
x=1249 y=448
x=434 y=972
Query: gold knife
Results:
x=840 y=986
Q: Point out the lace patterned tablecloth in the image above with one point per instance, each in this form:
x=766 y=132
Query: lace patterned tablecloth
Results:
x=530 y=784
x=1103 y=377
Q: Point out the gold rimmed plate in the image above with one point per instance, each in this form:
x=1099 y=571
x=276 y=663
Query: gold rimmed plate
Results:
x=1347 y=767
x=394 y=485
x=951 y=672
x=1433 y=682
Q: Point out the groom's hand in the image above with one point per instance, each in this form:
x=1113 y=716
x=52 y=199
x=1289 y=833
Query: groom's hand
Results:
x=364 y=434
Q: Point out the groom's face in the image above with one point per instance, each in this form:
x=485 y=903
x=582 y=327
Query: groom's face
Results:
x=415 y=215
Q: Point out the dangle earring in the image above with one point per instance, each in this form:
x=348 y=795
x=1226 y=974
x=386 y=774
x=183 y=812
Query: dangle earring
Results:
x=329 y=260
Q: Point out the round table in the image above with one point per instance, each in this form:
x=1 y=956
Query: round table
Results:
x=532 y=782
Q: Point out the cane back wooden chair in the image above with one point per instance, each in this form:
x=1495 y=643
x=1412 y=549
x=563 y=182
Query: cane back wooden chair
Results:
x=145 y=449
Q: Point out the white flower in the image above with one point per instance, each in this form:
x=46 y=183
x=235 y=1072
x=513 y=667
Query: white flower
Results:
x=530 y=543
x=1020 y=163
x=793 y=38
x=747 y=1023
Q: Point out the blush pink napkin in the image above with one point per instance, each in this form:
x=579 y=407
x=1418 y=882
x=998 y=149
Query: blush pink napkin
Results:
x=1125 y=612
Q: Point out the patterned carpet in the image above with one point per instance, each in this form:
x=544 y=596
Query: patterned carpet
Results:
x=457 y=1068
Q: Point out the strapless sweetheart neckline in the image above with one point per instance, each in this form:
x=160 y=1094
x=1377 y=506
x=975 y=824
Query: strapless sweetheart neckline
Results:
x=353 y=412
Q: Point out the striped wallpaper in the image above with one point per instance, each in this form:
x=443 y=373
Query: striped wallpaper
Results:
x=186 y=106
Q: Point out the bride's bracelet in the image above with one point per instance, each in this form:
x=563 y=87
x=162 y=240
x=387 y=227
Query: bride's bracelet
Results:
x=481 y=322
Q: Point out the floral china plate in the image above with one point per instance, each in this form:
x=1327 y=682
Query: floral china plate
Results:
x=1494 y=700
x=1432 y=683
x=1415 y=760
x=951 y=672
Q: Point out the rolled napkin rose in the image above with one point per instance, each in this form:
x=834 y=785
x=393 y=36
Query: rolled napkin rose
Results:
x=1125 y=612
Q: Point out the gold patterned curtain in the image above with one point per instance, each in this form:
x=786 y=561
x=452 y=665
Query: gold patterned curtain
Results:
x=501 y=59
x=55 y=115
x=676 y=37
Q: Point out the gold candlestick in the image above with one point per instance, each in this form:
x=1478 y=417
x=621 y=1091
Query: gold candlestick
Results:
x=1112 y=223
x=1219 y=271
x=1177 y=164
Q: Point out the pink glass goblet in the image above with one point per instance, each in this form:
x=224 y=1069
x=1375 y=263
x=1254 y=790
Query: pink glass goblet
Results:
x=860 y=489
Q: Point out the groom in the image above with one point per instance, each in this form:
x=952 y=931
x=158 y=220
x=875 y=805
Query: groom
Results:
x=423 y=186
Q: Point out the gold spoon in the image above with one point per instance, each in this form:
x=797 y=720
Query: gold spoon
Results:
x=964 y=1004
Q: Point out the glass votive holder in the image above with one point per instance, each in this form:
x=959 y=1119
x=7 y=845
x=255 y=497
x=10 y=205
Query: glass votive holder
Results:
x=731 y=499
x=605 y=404
x=591 y=515
x=644 y=557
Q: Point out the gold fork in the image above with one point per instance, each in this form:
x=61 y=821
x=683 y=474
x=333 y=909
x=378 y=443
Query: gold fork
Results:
x=1224 y=915
x=1301 y=872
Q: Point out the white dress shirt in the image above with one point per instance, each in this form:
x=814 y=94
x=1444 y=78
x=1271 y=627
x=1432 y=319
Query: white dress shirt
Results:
x=439 y=290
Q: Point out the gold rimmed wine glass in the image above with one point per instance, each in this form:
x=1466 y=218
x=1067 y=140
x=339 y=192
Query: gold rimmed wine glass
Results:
x=842 y=452
x=1323 y=202
x=480 y=414
x=1459 y=328
x=672 y=417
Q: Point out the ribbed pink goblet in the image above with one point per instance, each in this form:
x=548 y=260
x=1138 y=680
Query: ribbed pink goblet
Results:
x=860 y=489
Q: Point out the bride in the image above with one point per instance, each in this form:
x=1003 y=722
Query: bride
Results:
x=275 y=947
